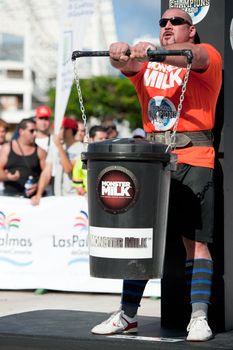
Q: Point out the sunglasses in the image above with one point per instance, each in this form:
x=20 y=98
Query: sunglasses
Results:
x=31 y=130
x=175 y=21
x=111 y=127
x=44 y=118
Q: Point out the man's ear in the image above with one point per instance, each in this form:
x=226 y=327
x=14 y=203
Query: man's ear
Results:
x=192 y=32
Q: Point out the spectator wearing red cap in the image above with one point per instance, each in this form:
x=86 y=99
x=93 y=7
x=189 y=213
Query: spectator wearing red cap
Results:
x=43 y=116
x=69 y=123
x=62 y=154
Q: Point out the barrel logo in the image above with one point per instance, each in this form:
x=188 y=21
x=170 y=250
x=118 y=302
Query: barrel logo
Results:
x=117 y=189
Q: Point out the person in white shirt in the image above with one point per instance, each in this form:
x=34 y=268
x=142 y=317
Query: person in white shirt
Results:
x=60 y=160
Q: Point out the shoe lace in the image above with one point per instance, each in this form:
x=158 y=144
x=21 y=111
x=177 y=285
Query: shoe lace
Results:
x=116 y=315
x=197 y=321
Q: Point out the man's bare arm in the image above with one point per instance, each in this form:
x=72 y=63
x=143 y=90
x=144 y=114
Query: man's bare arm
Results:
x=5 y=175
x=43 y=182
x=200 y=61
x=132 y=63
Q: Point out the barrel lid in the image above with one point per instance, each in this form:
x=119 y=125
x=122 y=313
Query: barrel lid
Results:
x=126 y=148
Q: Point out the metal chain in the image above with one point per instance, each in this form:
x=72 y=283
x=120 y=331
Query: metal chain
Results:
x=172 y=144
x=81 y=103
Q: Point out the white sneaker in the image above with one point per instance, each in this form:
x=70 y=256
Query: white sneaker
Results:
x=117 y=323
x=199 y=329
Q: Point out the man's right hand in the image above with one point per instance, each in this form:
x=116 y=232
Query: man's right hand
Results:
x=118 y=52
x=31 y=190
x=122 y=58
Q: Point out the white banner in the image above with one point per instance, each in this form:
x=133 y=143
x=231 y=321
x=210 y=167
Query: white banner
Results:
x=47 y=247
x=75 y=19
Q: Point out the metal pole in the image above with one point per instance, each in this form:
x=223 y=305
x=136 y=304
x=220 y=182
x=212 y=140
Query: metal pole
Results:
x=152 y=54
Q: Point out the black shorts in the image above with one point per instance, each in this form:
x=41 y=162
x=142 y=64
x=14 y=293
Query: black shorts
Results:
x=191 y=204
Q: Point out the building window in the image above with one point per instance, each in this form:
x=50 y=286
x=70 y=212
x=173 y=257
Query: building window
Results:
x=11 y=103
x=14 y=74
x=11 y=47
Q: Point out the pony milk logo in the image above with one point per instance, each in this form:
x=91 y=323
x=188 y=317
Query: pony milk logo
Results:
x=197 y=9
x=116 y=189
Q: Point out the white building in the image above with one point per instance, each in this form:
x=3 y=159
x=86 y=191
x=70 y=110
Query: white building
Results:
x=29 y=36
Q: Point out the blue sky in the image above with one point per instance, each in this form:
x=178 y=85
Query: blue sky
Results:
x=136 y=18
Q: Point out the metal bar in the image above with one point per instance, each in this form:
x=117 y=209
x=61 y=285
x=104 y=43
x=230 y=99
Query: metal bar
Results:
x=152 y=54
x=78 y=54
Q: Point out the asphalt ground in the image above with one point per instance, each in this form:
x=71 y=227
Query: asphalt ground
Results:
x=15 y=302
x=63 y=320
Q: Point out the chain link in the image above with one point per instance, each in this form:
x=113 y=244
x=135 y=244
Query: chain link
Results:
x=172 y=144
x=81 y=103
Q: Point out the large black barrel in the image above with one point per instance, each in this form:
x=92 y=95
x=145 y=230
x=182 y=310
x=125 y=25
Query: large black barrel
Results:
x=128 y=192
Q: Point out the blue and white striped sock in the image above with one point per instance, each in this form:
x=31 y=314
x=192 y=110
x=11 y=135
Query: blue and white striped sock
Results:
x=199 y=274
x=132 y=295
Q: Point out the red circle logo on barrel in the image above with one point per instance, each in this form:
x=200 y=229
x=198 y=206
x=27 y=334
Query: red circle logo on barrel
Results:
x=117 y=189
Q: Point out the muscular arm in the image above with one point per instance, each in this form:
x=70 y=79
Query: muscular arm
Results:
x=65 y=162
x=3 y=161
x=42 y=156
x=133 y=63
x=43 y=182
x=200 y=60
x=5 y=175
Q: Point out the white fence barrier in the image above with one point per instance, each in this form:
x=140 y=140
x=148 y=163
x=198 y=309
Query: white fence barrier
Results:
x=47 y=247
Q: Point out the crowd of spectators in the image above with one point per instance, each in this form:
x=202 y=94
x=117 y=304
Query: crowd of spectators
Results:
x=36 y=162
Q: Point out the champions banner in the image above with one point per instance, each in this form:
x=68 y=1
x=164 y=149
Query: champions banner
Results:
x=47 y=247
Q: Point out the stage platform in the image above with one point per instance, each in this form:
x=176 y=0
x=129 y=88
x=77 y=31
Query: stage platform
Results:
x=69 y=330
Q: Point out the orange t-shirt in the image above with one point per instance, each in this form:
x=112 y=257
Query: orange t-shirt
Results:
x=159 y=85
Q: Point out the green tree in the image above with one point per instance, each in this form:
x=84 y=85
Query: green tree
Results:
x=105 y=96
